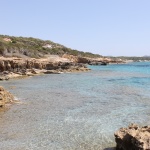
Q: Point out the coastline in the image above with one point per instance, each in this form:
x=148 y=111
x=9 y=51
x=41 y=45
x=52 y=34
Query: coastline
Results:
x=22 y=67
x=13 y=67
x=47 y=98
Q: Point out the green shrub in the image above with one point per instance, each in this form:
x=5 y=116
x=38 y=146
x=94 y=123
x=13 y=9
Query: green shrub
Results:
x=35 y=46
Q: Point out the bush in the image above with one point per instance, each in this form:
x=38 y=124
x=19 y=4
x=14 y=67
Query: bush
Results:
x=34 y=47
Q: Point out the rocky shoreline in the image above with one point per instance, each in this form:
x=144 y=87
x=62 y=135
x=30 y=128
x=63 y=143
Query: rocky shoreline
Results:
x=94 y=61
x=13 y=67
x=17 y=67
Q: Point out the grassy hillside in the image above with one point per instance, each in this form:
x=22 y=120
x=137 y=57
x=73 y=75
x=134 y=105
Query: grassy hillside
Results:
x=33 y=47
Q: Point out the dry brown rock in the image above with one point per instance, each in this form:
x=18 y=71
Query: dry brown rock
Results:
x=70 y=57
x=2 y=65
x=133 y=138
x=92 y=61
x=5 y=97
x=19 y=67
x=83 y=60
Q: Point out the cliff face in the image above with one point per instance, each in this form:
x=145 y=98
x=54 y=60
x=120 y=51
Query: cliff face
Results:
x=19 y=66
x=5 y=97
x=92 y=61
x=133 y=138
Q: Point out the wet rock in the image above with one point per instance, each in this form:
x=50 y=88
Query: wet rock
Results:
x=38 y=65
x=133 y=138
x=51 y=66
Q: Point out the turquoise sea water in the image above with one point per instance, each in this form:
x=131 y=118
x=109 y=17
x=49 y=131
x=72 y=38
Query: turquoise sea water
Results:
x=76 y=111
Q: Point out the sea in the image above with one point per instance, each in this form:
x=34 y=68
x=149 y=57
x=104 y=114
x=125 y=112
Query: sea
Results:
x=76 y=111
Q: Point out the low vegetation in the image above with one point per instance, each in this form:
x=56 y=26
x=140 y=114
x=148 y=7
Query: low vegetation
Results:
x=33 y=47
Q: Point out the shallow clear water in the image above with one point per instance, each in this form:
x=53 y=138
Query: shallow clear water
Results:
x=76 y=111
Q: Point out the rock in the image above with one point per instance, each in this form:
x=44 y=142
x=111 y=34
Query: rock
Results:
x=104 y=63
x=34 y=71
x=14 y=67
x=83 y=60
x=5 y=97
x=77 y=59
x=52 y=72
x=2 y=65
x=72 y=58
x=97 y=63
x=133 y=138
x=4 y=77
x=92 y=61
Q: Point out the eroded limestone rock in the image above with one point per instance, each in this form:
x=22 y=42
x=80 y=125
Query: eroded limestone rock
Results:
x=14 y=67
x=5 y=97
x=133 y=138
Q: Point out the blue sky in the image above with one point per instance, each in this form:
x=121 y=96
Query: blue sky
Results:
x=107 y=27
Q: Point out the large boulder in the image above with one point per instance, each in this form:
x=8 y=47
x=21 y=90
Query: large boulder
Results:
x=5 y=97
x=133 y=138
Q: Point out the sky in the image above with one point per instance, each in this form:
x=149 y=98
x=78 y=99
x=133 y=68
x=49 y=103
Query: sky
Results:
x=106 y=27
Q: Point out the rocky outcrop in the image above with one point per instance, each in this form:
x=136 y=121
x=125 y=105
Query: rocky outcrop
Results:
x=98 y=63
x=5 y=97
x=133 y=138
x=83 y=60
x=92 y=61
x=14 y=67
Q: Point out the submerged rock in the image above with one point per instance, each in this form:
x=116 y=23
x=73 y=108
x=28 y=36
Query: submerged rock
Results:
x=5 y=97
x=133 y=138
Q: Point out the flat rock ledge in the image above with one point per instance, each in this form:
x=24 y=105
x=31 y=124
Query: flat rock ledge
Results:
x=5 y=97
x=19 y=67
x=133 y=138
